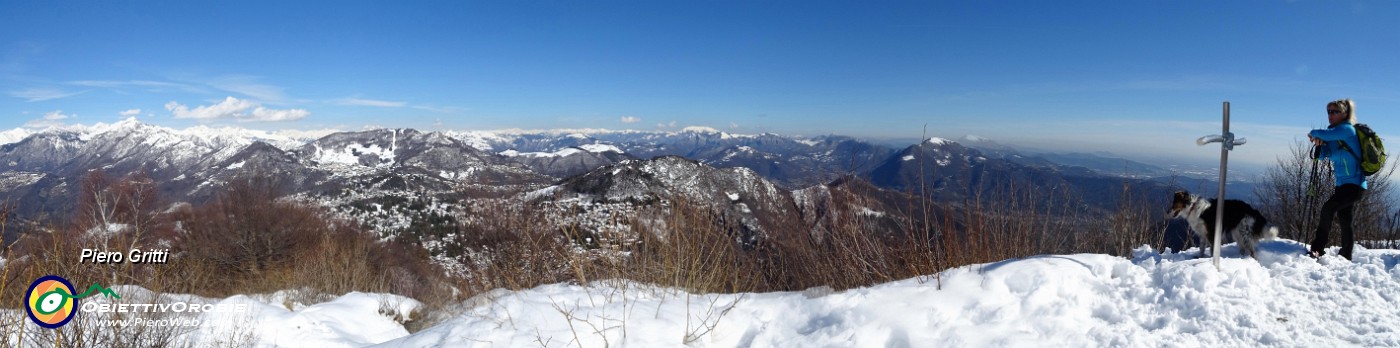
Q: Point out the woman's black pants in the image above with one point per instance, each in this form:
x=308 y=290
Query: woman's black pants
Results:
x=1341 y=204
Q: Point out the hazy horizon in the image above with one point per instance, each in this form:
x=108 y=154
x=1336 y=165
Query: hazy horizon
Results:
x=1029 y=149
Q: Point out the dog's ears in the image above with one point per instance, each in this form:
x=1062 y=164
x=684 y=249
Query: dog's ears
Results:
x=1181 y=196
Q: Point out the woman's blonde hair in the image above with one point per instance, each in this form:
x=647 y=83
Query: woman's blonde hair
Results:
x=1347 y=106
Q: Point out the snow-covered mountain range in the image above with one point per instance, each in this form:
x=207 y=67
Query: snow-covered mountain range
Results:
x=373 y=175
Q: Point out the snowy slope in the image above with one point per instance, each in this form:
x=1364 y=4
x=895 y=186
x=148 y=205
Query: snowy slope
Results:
x=1086 y=300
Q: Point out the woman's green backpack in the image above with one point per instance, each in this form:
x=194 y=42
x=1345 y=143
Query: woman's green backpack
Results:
x=1372 y=156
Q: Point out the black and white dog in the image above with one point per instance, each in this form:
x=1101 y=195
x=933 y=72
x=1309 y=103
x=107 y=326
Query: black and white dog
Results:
x=1244 y=224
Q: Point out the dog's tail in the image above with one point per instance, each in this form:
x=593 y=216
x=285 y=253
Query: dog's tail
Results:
x=1270 y=232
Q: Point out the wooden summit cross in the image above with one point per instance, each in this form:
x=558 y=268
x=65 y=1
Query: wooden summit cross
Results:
x=1227 y=142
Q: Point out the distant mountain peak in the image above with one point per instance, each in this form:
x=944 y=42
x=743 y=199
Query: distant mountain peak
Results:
x=14 y=135
x=700 y=129
x=129 y=122
x=567 y=151
x=127 y=125
x=988 y=146
x=973 y=138
x=224 y=135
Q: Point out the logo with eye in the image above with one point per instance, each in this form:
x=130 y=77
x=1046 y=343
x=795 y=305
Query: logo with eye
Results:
x=50 y=301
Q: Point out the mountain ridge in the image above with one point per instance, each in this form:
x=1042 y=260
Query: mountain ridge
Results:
x=370 y=165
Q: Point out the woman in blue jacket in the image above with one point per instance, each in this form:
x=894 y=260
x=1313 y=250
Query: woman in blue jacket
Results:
x=1351 y=184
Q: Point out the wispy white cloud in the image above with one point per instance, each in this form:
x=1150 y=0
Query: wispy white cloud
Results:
x=380 y=103
x=630 y=119
x=236 y=109
x=440 y=109
x=369 y=102
x=51 y=119
x=250 y=86
x=128 y=83
x=132 y=112
x=265 y=114
x=42 y=94
x=153 y=86
x=56 y=115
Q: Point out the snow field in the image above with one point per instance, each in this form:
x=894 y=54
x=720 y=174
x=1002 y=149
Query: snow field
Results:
x=1152 y=300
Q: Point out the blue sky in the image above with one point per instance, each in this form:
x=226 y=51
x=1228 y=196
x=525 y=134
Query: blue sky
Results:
x=1132 y=77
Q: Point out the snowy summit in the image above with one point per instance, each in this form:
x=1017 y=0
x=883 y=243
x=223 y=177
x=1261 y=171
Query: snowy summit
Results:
x=1084 y=300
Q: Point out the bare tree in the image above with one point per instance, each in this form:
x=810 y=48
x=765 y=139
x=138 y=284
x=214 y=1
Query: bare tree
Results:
x=97 y=202
x=247 y=228
x=140 y=200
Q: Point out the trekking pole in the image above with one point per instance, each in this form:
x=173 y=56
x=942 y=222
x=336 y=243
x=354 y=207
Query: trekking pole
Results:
x=1312 y=179
x=1311 y=200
